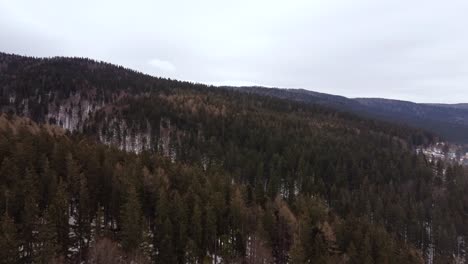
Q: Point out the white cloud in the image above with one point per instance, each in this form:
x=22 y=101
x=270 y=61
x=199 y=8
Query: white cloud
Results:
x=237 y=83
x=163 y=65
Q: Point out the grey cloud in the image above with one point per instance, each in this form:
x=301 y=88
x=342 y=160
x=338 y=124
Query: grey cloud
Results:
x=413 y=50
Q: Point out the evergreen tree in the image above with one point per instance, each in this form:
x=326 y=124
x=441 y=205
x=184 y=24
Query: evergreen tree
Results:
x=59 y=217
x=166 y=250
x=83 y=228
x=196 y=231
x=47 y=239
x=352 y=254
x=210 y=230
x=181 y=226
x=297 y=253
x=73 y=176
x=29 y=217
x=131 y=221
x=8 y=240
x=191 y=253
x=9 y=172
x=99 y=222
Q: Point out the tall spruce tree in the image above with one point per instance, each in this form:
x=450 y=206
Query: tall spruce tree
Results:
x=29 y=216
x=59 y=217
x=131 y=221
x=9 y=244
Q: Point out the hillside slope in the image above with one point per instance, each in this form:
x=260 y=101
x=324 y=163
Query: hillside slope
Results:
x=275 y=151
x=449 y=121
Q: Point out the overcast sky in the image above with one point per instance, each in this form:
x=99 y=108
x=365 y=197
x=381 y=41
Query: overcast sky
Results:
x=411 y=50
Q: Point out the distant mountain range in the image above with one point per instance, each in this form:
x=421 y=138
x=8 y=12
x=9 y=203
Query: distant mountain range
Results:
x=450 y=121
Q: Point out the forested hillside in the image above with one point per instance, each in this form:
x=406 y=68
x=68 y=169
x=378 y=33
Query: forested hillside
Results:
x=448 y=120
x=174 y=172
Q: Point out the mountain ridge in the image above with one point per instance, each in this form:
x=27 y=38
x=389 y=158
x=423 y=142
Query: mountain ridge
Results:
x=448 y=120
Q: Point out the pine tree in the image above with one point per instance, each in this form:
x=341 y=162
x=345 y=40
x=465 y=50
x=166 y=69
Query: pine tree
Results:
x=8 y=240
x=274 y=183
x=191 y=253
x=8 y=172
x=29 y=216
x=47 y=239
x=179 y=212
x=196 y=230
x=83 y=228
x=59 y=217
x=237 y=211
x=73 y=176
x=131 y=222
x=47 y=183
x=319 y=250
x=99 y=222
x=352 y=253
x=210 y=229
x=166 y=250
x=161 y=214
x=365 y=250
x=297 y=253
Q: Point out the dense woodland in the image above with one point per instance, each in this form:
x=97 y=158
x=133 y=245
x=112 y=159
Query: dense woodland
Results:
x=155 y=170
x=450 y=121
